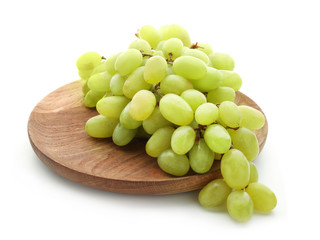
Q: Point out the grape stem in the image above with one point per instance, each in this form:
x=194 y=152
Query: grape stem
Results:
x=169 y=60
x=195 y=45
x=146 y=54
x=137 y=33
x=103 y=58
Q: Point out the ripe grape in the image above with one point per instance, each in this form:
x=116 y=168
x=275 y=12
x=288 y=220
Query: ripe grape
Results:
x=112 y=106
x=172 y=163
x=253 y=173
x=155 y=121
x=221 y=94
x=172 y=48
x=190 y=67
x=183 y=139
x=159 y=141
x=155 y=69
x=110 y=63
x=174 y=84
x=206 y=114
x=217 y=138
x=151 y=35
x=201 y=157
x=175 y=31
x=210 y=81
x=100 y=82
x=100 y=126
x=116 y=84
x=142 y=105
x=141 y=45
x=92 y=97
x=231 y=79
x=126 y=119
x=221 y=61
x=128 y=61
x=194 y=98
x=229 y=113
x=121 y=136
x=263 y=198
x=240 y=206
x=252 y=118
x=88 y=61
x=197 y=54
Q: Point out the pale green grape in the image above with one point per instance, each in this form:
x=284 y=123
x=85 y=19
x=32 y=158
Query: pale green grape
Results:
x=229 y=113
x=175 y=109
x=102 y=67
x=112 y=106
x=189 y=67
x=174 y=164
x=100 y=126
x=246 y=141
x=204 y=47
x=151 y=35
x=240 y=206
x=175 y=31
x=253 y=173
x=217 y=138
x=210 y=81
x=197 y=54
x=235 y=169
x=172 y=48
x=263 y=198
x=159 y=141
x=121 y=136
x=155 y=121
x=128 y=61
x=218 y=156
x=231 y=79
x=142 y=105
x=110 y=63
x=85 y=88
x=201 y=157
x=100 y=82
x=85 y=74
x=159 y=53
x=214 y=193
x=174 y=84
x=155 y=69
x=182 y=139
x=126 y=120
x=170 y=70
x=116 y=84
x=92 y=97
x=141 y=45
x=252 y=118
x=135 y=82
x=88 y=61
x=206 y=114
x=221 y=61
x=194 y=98
x=160 y=45
x=221 y=94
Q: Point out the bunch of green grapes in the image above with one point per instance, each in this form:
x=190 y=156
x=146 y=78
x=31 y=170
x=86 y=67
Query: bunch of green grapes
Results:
x=180 y=96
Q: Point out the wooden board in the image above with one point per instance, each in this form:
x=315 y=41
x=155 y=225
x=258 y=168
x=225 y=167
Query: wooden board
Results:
x=57 y=135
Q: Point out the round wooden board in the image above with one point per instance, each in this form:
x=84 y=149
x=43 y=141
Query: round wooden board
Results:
x=57 y=134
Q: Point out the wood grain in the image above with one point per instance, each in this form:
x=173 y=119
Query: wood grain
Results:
x=57 y=135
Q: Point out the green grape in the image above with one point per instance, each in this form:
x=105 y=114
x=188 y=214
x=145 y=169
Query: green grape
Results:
x=126 y=120
x=112 y=106
x=85 y=74
x=217 y=138
x=100 y=126
x=159 y=141
x=144 y=61
x=174 y=164
x=142 y=105
x=155 y=121
x=252 y=118
x=209 y=82
x=197 y=54
x=159 y=53
x=231 y=79
x=135 y=82
x=175 y=31
x=263 y=198
x=160 y=45
x=201 y=157
x=141 y=45
x=246 y=141
x=88 y=61
x=214 y=193
x=190 y=67
x=194 y=98
x=102 y=67
x=221 y=94
x=151 y=35
x=235 y=169
x=122 y=136
x=183 y=139
x=253 y=173
x=155 y=69
x=116 y=84
x=174 y=84
x=141 y=133
x=92 y=97
x=240 y=206
x=172 y=47
x=100 y=82
x=206 y=114
x=204 y=47
x=175 y=109
x=229 y=113
x=85 y=88
x=110 y=63
x=221 y=61
x=128 y=61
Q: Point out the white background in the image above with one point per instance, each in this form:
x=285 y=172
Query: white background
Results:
x=276 y=48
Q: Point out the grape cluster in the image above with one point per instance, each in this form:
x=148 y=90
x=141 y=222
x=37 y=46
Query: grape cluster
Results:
x=180 y=96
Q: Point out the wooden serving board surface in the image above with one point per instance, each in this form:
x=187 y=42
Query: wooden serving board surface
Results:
x=57 y=134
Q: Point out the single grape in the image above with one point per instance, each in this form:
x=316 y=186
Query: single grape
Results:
x=206 y=114
x=122 y=136
x=197 y=54
x=175 y=31
x=263 y=198
x=110 y=63
x=88 y=61
x=100 y=82
x=209 y=82
x=151 y=35
x=172 y=163
x=159 y=141
x=189 y=67
x=160 y=45
x=217 y=138
x=128 y=61
x=214 y=193
x=183 y=139
x=230 y=114
x=254 y=177
x=159 y=53
x=155 y=69
x=116 y=84
x=172 y=48
x=201 y=157
x=142 y=105
x=85 y=74
x=174 y=84
x=175 y=109
x=100 y=126
x=231 y=79
x=92 y=97
x=126 y=119
x=221 y=94
x=246 y=141
x=221 y=61
x=194 y=98
x=102 y=67
x=141 y=45
x=112 y=106
x=240 y=206
x=252 y=118
x=235 y=169
x=155 y=121
x=204 y=47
